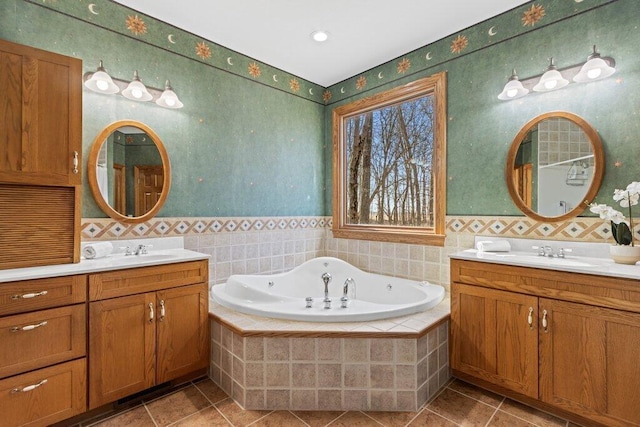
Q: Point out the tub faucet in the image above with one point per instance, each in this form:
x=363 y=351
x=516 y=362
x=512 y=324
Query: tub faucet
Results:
x=348 y=284
x=326 y=278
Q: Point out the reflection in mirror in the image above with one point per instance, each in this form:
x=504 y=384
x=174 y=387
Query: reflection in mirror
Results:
x=129 y=171
x=556 y=166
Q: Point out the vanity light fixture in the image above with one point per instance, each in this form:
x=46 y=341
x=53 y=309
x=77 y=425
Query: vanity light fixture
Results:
x=551 y=79
x=137 y=91
x=169 y=99
x=99 y=81
x=595 y=68
x=513 y=89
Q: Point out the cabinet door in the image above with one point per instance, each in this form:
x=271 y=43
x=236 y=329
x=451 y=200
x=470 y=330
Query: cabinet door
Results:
x=121 y=347
x=41 y=115
x=589 y=361
x=495 y=337
x=183 y=331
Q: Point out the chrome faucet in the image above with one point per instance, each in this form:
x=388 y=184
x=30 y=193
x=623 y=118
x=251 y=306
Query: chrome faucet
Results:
x=140 y=249
x=326 y=278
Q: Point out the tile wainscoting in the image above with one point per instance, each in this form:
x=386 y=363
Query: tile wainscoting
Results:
x=249 y=245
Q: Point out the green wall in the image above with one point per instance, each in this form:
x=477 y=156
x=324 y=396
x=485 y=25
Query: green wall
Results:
x=237 y=148
x=481 y=128
x=245 y=146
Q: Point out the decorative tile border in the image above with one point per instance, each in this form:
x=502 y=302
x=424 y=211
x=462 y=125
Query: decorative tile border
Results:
x=581 y=228
x=108 y=229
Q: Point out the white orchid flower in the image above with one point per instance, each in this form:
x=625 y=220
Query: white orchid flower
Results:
x=634 y=188
x=607 y=213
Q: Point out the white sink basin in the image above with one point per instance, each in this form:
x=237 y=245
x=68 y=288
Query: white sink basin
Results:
x=540 y=260
x=141 y=259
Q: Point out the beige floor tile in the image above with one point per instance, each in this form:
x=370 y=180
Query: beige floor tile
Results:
x=502 y=419
x=392 y=419
x=134 y=417
x=238 y=416
x=177 y=405
x=431 y=419
x=477 y=393
x=211 y=390
x=354 y=419
x=534 y=416
x=279 y=419
x=461 y=409
x=317 y=418
x=208 y=417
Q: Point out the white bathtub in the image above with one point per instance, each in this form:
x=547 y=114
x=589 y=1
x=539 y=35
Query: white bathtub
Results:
x=283 y=295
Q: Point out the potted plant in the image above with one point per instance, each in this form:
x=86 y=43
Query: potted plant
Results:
x=625 y=251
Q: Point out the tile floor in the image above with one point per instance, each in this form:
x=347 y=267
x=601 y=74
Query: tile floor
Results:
x=202 y=403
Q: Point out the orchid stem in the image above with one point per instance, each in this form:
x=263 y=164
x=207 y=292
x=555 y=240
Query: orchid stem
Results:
x=630 y=220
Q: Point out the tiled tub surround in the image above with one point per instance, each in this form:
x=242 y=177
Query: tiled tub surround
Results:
x=391 y=365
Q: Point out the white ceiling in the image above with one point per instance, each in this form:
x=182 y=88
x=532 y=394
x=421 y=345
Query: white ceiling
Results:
x=362 y=33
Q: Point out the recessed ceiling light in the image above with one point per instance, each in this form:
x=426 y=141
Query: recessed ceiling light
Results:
x=320 y=35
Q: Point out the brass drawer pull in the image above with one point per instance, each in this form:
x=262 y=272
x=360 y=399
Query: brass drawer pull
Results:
x=75 y=161
x=530 y=317
x=162 y=312
x=545 y=323
x=28 y=327
x=28 y=296
x=151 y=312
x=29 y=387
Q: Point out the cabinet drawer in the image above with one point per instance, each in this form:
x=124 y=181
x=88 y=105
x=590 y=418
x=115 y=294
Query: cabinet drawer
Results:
x=146 y=279
x=29 y=295
x=32 y=340
x=45 y=396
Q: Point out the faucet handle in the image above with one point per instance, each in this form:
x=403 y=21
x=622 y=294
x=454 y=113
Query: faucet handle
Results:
x=309 y=301
x=126 y=250
x=563 y=251
x=540 y=250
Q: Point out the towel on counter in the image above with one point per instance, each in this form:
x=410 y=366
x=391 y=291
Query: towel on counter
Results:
x=97 y=250
x=490 y=246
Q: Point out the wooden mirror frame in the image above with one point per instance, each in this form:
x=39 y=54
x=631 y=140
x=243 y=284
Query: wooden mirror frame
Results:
x=93 y=176
x=598 y=174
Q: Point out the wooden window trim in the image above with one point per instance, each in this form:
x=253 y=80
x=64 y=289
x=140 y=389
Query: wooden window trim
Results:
x=436 y=85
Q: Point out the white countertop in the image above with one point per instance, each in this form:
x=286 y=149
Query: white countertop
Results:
x=163 y=252
x=599 y=266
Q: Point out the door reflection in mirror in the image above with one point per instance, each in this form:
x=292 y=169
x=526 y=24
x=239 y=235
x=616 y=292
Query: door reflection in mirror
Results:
x=129 y=171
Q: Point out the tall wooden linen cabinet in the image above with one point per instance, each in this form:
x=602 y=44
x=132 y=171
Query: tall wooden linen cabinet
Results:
x=40 y=156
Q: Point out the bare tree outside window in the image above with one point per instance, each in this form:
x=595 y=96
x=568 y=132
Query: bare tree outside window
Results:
x=389 y=165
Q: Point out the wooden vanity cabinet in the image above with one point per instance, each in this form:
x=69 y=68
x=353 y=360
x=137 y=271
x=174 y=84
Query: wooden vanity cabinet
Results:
x=43 y=350
x=494 y=339
x=565 y=342
x=147 y=326
x=41 y=112
x=40 y=156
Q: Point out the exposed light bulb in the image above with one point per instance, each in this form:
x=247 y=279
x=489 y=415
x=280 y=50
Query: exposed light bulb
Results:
x=102 y=85
x=136 y=93
x=594 y=73
x=320 y=36
x=550 y=84
x=512 y=92
x=170 y=102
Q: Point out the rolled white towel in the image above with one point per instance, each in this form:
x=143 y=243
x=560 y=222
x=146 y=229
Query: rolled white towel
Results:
x=97 y=250
x=490 y=246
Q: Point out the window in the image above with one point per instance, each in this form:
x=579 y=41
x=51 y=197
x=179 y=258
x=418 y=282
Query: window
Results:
x=389 y=165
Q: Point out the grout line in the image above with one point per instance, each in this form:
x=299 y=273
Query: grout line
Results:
x=222 y=413
x=371 y=418
x=442 y=416
x=153 y=420
x=491 y=417
x=292 y=413
x=261 y=418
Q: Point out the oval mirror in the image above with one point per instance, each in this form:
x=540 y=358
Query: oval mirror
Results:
x=129 y=171
x=555 y=166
